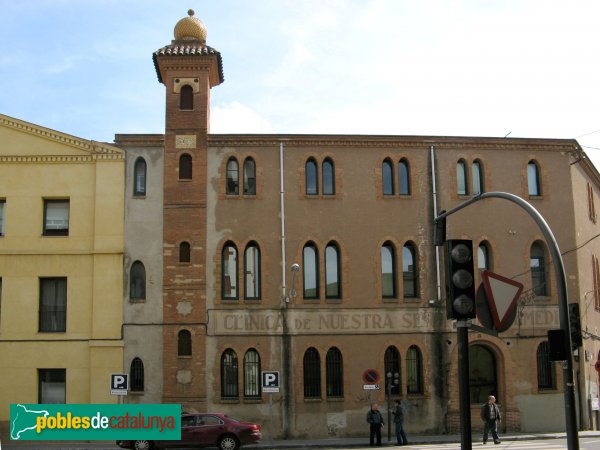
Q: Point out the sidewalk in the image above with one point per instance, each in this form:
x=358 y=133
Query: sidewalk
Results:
x=414 y=440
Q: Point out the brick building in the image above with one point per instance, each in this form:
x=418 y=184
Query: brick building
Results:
x=313 y=256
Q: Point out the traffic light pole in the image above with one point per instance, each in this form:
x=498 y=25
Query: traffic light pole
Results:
x=464 y=401
x=563 y=304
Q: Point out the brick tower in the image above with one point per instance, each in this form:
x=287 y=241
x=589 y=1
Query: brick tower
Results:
x=189 y=69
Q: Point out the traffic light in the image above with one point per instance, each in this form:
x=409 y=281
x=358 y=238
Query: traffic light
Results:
x=460 y=282
x=575 y=326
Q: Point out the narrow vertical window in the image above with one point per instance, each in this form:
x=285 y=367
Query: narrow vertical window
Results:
x=312 y=180
x=414 y=370
x=591 y=205
x=332 y=271
x=229 y=272
x=252 y=374
x=186 y=98
x=184 y=343
x=53 y=305
x=533 y=179
x=139 y=177
x=403 y=177
x=56 y=217
x=328 y=177
x=137 y=281
x=232 y=177
x=249 y=177
x=2 y=203
x=409 y=271
x=184 y=252
x=136 y=374
x=545 y=369
x=388 y=271
x=484 y=261
x=310 y=271
x=185 y=167
x=477 y=175
x=538 y=270
x=596 y=281
x=391 y=364
x=52 y=386
x=387 y=177
x=252 y=272
x=334 y=373
x=311 y=366
x=462 y=187
x=229 y=374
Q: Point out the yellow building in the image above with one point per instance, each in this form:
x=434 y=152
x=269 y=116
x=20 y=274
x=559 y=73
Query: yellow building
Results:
x=61 y=266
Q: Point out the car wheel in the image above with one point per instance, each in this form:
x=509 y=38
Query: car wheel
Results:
x=143 y=445
x=228 y=442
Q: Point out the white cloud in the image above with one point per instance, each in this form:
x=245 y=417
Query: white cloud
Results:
x=235 y=117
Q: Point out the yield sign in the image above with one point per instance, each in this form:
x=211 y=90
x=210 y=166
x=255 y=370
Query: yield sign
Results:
x=502 y=294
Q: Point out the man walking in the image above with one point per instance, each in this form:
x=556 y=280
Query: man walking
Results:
x=490 y=414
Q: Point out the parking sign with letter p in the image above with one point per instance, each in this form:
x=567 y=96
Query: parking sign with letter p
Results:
x=270 y=381
x=119 y=383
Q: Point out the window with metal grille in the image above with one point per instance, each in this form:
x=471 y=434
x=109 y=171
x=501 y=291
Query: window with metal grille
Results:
x=334 y=373
x=229 y=374
x=312 y=373
x=545 y=368
x=391 y=364
x=414 y=370
x=136 y=373
x=252 y=374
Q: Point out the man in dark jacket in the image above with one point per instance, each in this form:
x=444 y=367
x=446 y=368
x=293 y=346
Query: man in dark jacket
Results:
x=490 y=414
x=399 y=421
x=375 y=420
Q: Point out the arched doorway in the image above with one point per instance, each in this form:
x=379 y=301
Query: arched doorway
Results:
x=483 y=374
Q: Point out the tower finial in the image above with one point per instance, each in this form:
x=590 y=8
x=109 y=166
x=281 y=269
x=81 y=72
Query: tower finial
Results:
x=190 y=12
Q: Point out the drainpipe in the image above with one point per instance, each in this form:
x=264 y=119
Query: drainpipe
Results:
x=435 y=214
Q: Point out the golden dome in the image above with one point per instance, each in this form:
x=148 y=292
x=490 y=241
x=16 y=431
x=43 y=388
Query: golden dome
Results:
x=190 y=28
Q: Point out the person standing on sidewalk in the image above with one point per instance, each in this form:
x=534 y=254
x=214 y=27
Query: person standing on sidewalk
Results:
x=399 y=421
x=375 y=420
x=490 y=414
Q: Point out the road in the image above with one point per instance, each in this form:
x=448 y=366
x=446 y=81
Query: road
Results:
x=585 y=443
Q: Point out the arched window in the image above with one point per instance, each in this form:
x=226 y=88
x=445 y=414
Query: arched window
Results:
x=538 y=270
x=462 y=186
x=334 y=373
x=186 y=98
x=184 y=343
x=387 y=177
x=252 y=374
x=252 y=272
x=403 y=177
x=139 y=177
x=484 y=257
x=310 y=271
x=232 y=177
x=137 y=281
x=229 y=375
x=328 y=177
x=391 y=364
x=312 y=177
x=545 y=369
x=185 y=167
x=482 y=374
x=229 y=272
x=414 y=370
x=533 y=179
x=311 y=366
x=388 y=271
x=409 y=271
x=477 y=174
x=184 y=252
x=136 y=373
x=249 y=177
x=332 y=271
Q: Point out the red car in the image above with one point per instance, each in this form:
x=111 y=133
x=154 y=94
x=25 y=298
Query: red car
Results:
x=205 y=430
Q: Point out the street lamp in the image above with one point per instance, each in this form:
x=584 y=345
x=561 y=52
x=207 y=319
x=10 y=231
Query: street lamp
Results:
x=390 y=383
x=295 y=269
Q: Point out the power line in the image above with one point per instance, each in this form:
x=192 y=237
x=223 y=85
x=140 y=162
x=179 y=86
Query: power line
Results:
x=586 y=134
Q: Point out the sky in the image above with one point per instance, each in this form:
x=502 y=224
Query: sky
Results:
x=515 y=68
